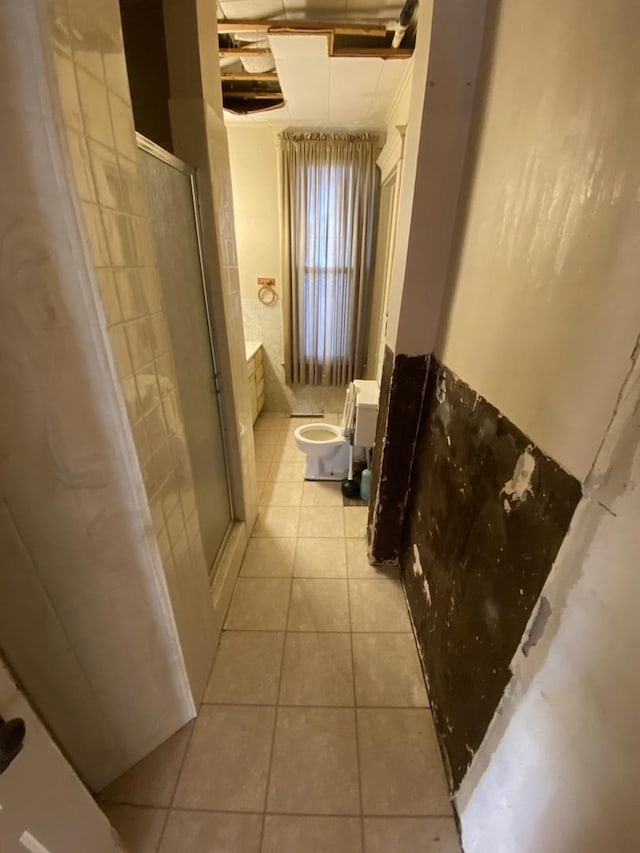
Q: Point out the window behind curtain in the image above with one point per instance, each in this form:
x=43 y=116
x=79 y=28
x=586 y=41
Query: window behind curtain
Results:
x=325 y=334
x=328 y=194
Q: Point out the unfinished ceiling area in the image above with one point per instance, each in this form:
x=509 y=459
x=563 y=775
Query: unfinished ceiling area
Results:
x=295 y=69
x=291 y=10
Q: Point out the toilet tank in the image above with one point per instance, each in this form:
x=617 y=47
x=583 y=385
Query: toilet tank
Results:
x=367 y=396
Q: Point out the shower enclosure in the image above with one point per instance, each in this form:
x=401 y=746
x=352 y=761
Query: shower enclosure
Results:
x=173 y=209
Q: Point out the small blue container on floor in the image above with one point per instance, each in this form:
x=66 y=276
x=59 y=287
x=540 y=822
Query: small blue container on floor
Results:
x=365 y=484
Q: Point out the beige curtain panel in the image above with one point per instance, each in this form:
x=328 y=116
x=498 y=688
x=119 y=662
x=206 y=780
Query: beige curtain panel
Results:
x=329 y=186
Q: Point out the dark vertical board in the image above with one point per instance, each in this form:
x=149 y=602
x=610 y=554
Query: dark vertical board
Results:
x=401 y=395
x=488 y=513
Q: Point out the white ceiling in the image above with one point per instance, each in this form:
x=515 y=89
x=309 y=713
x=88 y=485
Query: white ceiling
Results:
x=320 y=90
x=360 y=10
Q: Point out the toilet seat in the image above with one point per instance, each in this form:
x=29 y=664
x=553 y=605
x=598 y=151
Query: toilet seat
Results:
x=320 y=433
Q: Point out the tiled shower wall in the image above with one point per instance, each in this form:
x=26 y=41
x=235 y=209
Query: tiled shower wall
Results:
x=94 y=90
x=85 y=620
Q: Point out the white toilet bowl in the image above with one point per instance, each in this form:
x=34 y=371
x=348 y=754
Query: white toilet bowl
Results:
x=327 y=451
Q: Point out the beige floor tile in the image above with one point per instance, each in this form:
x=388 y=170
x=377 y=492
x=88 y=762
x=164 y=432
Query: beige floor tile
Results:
x=322 y=494
x=246 y=668
x=317 y=670
x=269 y=558
x=378 y=606
x=266 y=437
x=318 y=605
x=211 y=832
x=259 y=604
x=278 y=521
x=358 y=565
x=400 y=765
x=286 y=472
x=410 y=835
x=286 y=439
x=264 y=452
x=151 y=781
x=268 y=416
x=228 y=759
x=292 y=424
x=282 y=494
x=262 y=471
x=288 y=453
x=355 y=521
x=298 y=834
x=314 y=765
x=387 y=671
x=321 y=522
x=139 y=828
x=320 y=558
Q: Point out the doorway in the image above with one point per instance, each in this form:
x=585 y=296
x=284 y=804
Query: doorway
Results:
x=171 y=198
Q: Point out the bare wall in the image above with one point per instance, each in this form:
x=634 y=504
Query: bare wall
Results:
x=546 y=303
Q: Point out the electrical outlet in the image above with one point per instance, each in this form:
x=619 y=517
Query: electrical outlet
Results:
x=266 y=282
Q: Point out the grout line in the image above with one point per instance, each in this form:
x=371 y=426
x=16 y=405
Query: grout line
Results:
x=355 y=720
x=318 y=706
x=275 y=719
x=369 y=816
x=193 y=726
x=311 y=630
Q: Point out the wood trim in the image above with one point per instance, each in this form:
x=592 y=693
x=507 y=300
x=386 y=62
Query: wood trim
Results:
x=266 y=26
x=253 y=96
x=243 y=51
x=375 y=52
x=247 y=77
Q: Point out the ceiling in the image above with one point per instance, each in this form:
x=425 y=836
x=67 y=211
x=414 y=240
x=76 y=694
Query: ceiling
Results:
x=322 y=90
x=290 y=10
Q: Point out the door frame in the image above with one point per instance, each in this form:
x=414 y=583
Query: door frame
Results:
x=150 y=147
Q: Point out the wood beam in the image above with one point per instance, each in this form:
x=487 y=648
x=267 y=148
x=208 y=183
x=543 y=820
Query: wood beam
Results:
x=254 y=96
x=374 y=52
x=243 y=51
x=340 y=28
x=262 y=77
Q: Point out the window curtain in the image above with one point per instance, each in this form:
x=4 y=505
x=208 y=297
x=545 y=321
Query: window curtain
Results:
x=328 y=204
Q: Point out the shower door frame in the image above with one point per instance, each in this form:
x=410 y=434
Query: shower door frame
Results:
x=150 y=147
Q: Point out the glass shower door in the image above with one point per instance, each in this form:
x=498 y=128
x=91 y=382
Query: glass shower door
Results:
x=170 y=193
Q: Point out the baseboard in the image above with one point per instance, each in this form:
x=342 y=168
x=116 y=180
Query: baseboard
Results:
x=228 y=569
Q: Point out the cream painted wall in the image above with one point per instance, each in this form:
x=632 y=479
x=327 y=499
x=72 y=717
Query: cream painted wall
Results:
x=544 y=322
x=546 y=307
x=254 y=173
x=448 y=46
x=559 y=770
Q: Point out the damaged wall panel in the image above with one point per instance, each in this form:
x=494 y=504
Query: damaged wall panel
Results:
x=488 y=514
x=401 y=394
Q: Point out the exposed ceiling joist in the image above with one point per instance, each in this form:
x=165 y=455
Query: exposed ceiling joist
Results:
x=264 y=26
x=247 y=77
x=374 y=52
x=244 y=51
x=254 y=96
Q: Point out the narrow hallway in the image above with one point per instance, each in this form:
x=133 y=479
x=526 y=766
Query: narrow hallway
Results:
x=314 y=735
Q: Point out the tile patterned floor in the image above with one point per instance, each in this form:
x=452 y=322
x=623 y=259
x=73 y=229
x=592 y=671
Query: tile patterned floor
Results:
x=314 y=735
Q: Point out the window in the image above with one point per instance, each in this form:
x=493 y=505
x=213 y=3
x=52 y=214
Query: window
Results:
x=328 y=205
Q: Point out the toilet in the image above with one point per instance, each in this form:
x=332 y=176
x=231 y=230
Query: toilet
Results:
x=327 y=446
